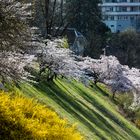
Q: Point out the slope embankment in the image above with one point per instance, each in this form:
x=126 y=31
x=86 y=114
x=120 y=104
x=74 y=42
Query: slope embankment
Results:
x=96 y=116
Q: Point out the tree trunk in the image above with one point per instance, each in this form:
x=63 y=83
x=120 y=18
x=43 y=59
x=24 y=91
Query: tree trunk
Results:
x=52 y=17
x=47 y=3
x=113 y=96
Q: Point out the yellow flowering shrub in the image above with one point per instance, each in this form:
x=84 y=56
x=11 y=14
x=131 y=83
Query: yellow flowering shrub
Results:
x=25 y=119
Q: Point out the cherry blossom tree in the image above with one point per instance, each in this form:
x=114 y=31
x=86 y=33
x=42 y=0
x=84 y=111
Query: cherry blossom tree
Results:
x=106 y=70
x=15 y=38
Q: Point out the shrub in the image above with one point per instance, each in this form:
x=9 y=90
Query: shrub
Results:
x=25 y=119
x=137 y=122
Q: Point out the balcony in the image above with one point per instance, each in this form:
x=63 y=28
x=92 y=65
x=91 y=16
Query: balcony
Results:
x=122 y=13
x=119 y=1
x=120 y=4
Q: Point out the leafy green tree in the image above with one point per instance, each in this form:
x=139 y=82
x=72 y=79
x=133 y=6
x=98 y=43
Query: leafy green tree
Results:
x=86 y=15
x=126 y=46
x=86 y=18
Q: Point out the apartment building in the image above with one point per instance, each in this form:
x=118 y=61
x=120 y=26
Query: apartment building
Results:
x=119 y=15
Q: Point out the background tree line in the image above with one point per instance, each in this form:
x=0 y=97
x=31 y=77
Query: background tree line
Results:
x=126 y=47
x=55 y=16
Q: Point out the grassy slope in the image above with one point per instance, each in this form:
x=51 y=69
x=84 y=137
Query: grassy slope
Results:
x=96 y=116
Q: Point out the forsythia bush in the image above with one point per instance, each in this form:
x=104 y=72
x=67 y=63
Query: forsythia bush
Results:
x=25 y=119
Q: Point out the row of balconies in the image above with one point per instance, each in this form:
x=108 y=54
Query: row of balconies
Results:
x=120 y=4
x=124 y=18
x=122 y=13
x=121 y=9
x=119 y=1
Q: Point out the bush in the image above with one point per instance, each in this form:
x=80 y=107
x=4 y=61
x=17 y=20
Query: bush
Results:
x=137 y=122
x=137 y=118
x=65 y=43
x=25 y=119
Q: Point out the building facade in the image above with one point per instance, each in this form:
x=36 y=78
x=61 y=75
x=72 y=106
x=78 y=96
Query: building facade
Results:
x=119 y=15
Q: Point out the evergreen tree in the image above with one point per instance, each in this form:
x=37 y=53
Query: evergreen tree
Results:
x=86 y=15
x=86 y=18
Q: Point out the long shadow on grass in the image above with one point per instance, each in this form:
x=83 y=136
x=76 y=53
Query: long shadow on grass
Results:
x=98 y=118
x=104 y=124
x=70 y=105
x=104 y=93
x=95 y=117
x=97 y=88
x=106 y=112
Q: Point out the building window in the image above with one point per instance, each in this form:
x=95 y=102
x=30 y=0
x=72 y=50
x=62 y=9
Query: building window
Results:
x=105 y=17
x=109 y=9
x=125 y=17
x=114 y=0
x=122 y=17
x=119 y=17
x=110 y=1
x=132 y=18
x=121 y=9
x=123 y=0
x=124 y=9
x=111 y=18
x=118 y=31
x=134 y=0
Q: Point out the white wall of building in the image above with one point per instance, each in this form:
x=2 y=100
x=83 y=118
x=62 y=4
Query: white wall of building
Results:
x=119 y=15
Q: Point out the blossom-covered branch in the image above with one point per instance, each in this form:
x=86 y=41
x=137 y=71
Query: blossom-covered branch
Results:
x=12 y=66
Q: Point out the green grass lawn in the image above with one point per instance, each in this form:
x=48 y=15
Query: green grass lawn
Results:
x=91 y=109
